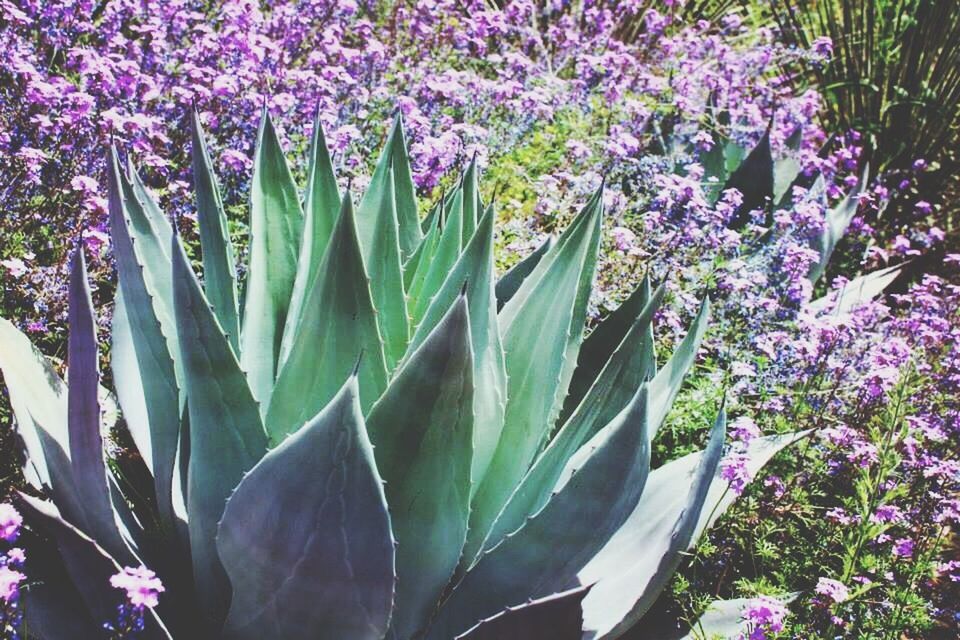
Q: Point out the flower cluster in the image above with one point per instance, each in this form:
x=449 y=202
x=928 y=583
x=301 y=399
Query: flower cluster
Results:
x=11 y=574
x=143 y=589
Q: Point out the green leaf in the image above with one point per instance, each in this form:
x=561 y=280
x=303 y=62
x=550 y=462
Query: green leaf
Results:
x=276 y=225
x=87 y=564
x=424 y=251
x=753 y=179
x=219 y=266
x=666 y=524
x=416 y=271
x=306 y=537
x=339 y=323
x=226 y=434
x=474 y=273
x=444 y=258
x=597 y=491
x=666 y=384
x=89 y=469
x=835 y=226
x=471 y=200
x=321 y=207
x=510 y=282
x=662 y=524
x=604 y=341
x=377 y=230
x=786 y=169
x=422 y=431
x=408 y=215
x=557 y=617
x=38 y=398
x=627 y=368
x=542 y=328
x=143 y=270
x=859 y=290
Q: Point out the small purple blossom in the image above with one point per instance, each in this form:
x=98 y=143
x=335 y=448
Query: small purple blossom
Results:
x=10 y=522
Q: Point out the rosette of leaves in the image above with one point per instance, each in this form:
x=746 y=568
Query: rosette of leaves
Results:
x=361 y=446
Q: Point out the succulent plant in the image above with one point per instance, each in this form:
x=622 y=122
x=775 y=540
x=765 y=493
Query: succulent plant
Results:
x=379 y=439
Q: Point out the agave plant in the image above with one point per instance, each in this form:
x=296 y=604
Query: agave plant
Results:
x=379 y=439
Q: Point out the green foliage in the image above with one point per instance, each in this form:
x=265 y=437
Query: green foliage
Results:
x=371 y=350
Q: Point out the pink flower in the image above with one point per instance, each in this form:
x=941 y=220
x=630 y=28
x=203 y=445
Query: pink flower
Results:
x=15 y=266
x=832 y=589
x=10 y=584
x=10 y=522
x=142 y=585
x=763 y=615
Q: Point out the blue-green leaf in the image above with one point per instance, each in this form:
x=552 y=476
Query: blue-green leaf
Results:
x=835 y=226
x=604 y=340
x=753 y=179
x=437 y=269
x=88 y=466
x=637 y=562
x=474 y=271
x=422 y=430
x=219 y=266
x=226 y=434
x=509 y=282
x=627 y=368
x=377 y=230
x=597 y=491
x=143 y=270
x=542 y=328
x=306 y=537
x=276 y=225
x=557 y=617
x=338 y=323
x=321 y=207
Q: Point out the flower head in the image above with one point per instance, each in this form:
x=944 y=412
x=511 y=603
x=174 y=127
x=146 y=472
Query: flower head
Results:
x=142 y=585
x=10 y=522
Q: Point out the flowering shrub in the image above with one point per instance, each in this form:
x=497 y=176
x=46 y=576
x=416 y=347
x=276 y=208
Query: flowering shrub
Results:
x=11 y=575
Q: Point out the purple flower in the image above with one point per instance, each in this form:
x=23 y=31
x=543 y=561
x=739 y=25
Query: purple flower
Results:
x=764 y=615
x=10 y=580
x=142 y=585
x=10 y=522
x=903 y=547
x=833 y=590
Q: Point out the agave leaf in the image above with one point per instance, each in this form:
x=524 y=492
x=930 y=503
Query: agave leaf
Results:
x=666 y=384
x=422 y=429
x=415 y=270
x=637 y=562
x=614 y=387
x=542 y=327
x=408 y=216
x=471 y=201
x=339 y=321
x=786 y=169
x=557 y=617
x=753 y=179
x=757 y=454
x=377 y=230
x=306 y=537
x=88 y=565
x=714 y=163
x=433 y=216
x=152 y=353
x=859 y=290
x=54 y=610
x=598 y=489
x=276 y=225
x=445 y=256
x=474 y=273
x=604 y=340
x=147 y=202
x=39 y=400
x=509 y=282
x=219 y=266
x=88 y=467
x=226 y=434
x=835 y=226
x=321 y=207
